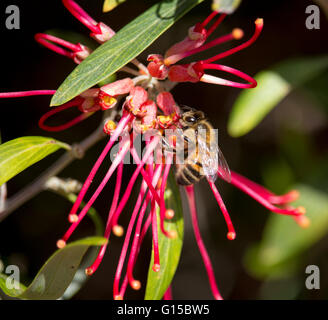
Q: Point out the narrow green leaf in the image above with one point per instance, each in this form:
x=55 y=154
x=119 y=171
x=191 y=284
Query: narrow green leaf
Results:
x=109 y=5
x=80 y=277
x=169 y=249
x=274 y=85
x=122 y=48
x=226 y=6
x=283 y=240
x=18 y=154
x=12 y=291
x=56 y=274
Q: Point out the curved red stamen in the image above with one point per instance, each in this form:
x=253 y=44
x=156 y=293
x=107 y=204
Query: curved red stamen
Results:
x=263 y=200
x=267 y=194
x=258 y=29
x=117 y=229
x=216 y=80
x=231 y=230
x=202 y=25
x=215 y=24
x=206 y=259
x=146 y=177
x=179 y=56
x=127 y=241
x=142 y=235
x=119 y=157
x=134 y=283
x=135 y=175
x=74 y=103
x=90 y=270
x=48 y=41
x=81 y=15
x=20 y=94
x=137 y=236
x=116 y=192
x=168 y=164
x=126 y=118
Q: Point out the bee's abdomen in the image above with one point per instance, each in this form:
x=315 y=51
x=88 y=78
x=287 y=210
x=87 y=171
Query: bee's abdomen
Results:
x=189 y=173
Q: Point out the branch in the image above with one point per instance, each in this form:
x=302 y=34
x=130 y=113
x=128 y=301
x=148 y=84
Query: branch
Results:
x=38 y=185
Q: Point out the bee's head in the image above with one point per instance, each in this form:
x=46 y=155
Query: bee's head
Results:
x=190 y=116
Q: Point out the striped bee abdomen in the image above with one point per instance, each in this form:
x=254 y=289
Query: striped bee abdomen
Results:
x=189 y=173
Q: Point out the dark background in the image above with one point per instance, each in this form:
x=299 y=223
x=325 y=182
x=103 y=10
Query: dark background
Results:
x=28 y=236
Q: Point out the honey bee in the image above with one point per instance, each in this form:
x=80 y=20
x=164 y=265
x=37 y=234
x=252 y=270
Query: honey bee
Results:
x=201 y=153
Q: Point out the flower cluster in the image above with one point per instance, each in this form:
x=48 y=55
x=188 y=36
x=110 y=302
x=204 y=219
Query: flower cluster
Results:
x=148 y=109
x=166 y=67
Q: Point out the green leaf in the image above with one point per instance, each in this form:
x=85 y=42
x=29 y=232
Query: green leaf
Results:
x=316 y=91
x=274 y=85
x=15 y=291
x=284 y=240
x=80 y=277
x=109 y=5
x=225 y=6
x=56 y=274
x=18 y=154
x=122 y=48
x=169 y=249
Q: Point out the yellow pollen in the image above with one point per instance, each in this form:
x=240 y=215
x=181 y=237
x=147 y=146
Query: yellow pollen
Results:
x=237 y=33
x=294 y=195
x=131 y=103
x=145 y=127
x=109 y=126
x=301 y=210
x=136 y=285
x=61 y=244
x=118 y=230
x=73 y=218
x=173 y=234
x=303 y=221
x=169 y=214
x=164 y=119
x=259 y=21
x=89 y=271
x=108 y=100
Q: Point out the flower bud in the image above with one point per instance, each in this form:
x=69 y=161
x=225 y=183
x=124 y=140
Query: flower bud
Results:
x=105 y=33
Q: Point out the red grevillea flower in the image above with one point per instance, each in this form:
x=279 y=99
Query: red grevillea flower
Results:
x=149 y=110
x=153 y=169
x=78 y=52
x=162 y=67
x=98 y=30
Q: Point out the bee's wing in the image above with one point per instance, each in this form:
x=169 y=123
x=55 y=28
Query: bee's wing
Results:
x=223 y=167
x=213 y=161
